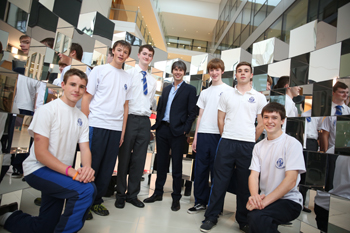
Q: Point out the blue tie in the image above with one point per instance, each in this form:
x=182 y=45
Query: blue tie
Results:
x=144 y=80
x=338 y=110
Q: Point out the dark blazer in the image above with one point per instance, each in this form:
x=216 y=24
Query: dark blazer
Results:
x=182 y=111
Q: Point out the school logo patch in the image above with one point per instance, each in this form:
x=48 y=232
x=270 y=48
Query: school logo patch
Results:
x=80 y=122
x=280 y=163
x=308 y=119
x=221 y=93
x=334 y=122
x=125 y=87
x=251 y=100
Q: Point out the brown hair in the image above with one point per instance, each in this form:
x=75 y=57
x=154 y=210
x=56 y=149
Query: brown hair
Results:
x=147 y=46
x=282 y=82
x=122 y=43
x=274 y=107
x=339 y=85
x=76 y=72
x=215 y=64
x=244 y=63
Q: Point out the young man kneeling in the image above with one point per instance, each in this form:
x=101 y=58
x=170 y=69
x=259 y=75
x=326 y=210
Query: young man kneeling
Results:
x=57 y=127
x=279 y=161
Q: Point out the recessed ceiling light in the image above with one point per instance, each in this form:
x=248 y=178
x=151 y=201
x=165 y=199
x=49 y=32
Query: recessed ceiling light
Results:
x=197 y=31
x=184 y=29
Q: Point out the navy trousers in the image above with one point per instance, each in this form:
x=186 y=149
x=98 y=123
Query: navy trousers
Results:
x=104 y=146
x=232 y=155
x=205 y=157
x=55 y=189
x=268 y=219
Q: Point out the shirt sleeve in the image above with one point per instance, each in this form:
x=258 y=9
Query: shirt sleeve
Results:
x=326 y=124
x=84 y=136
x=200 y=102
x=222 y=106
x=41 y=123
x=294 y=156
x=255 y=164
x=129 y=92
x=93 y=82
x=262 y=103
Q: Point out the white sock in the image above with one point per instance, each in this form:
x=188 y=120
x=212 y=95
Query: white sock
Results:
x=4 y=217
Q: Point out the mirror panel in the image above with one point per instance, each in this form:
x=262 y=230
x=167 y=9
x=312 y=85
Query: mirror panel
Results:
x=339 y=214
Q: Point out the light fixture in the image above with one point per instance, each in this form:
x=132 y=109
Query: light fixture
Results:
x=184 y=29
x=14 y=50
x=196 y=31
x=199 y=47
x=168 y=43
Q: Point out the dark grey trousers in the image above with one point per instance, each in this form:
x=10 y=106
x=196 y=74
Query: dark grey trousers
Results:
x=132 y=156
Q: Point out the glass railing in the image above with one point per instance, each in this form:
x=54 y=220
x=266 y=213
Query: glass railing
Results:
x=132 y=14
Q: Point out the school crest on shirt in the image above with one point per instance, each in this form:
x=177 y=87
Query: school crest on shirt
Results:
x=80 y=122
x=125 y=87
x=280 y=163
x=251 y=100
x=221 y=93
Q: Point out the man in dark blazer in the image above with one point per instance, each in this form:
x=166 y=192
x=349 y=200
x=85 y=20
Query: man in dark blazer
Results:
x=175 y=114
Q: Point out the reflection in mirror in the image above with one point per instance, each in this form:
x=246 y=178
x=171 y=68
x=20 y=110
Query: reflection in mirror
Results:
x=15 y=142
x=84 y=43
x=68 y=10
x=26 y=93
x=53 y=92
x=295 y=127
x=339 y=213
x=260 y=69
x=227 y=77
x=260 y=82
x=279 y=69
x=196 y=81
x=7 y=91
x=278 y=95
x=342 y=138
x=325 y=63
x=322 y=98
x=133 y=40
x=308 y=224
x=299 y=71
x=199 y=63
x=42 y=22
x=62 y=42
x=17 y=17
x=316 y=164
x=345 y=59
x=15 y=48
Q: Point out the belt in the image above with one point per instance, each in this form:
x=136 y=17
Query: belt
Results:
x=166 y=123
x=133 y=115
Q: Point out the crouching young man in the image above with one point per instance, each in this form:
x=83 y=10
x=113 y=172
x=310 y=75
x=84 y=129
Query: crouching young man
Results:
x=278 y=160
x=57 y=127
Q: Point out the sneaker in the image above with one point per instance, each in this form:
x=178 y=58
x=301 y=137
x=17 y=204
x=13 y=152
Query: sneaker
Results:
x=100 y=210
x=89 y=216
x=37 y=201
x=16 y=174
x=207 y=226
x=244 y=229
x=196 y=209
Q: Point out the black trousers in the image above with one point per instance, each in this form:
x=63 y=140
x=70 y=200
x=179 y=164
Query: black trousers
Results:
x=166 y=141
x=322 y=216
x=268 y=219
x=136 y=139
x=104 y=146
x=231 y=155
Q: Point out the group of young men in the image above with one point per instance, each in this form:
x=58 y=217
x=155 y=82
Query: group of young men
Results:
x=114 y=120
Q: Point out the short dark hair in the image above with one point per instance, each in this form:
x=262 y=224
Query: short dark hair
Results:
x=23 y=37
x=147 y=46
x=274 y=107
x=78 y=50
x=215 y=64
x=49 y=41
x=110 y=52
x=76 y=72
x=282 y=82
x=122 y=43
x=244 y=63
x=339 y=84
x=180 y=65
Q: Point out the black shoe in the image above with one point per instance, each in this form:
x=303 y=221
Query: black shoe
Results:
x=307 y=210
x=37 y=201
x=89 y=216
x=153 y=198
x=196 y=209
x=8 y=208
x=119 y=203
x=207 y=226
x=16 y=174
x=136 y=202
x=175 y=206
x=244 y=229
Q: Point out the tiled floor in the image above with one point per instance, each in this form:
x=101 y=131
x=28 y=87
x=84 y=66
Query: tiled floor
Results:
x=154 y=218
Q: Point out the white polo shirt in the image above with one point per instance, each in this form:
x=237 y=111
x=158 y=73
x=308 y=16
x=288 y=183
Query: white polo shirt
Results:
x=313 y=125
x=110 y=88
x=291 y=110
x=209 y=100
x=273 y=158
x=329 y=124
x=141 y=104
x=241 y=111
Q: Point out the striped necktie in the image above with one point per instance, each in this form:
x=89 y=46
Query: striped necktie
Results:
x=338 y=110
x=144 y=80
